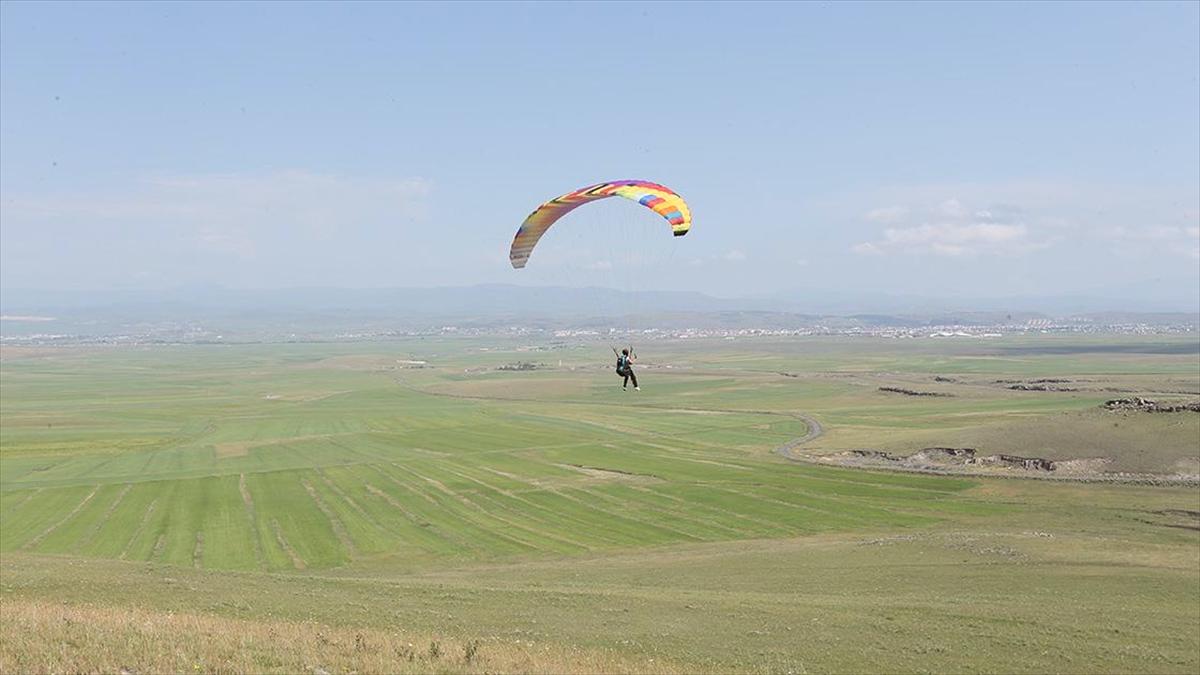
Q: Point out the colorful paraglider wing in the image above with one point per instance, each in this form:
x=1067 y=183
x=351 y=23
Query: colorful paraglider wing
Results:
x=662 y=200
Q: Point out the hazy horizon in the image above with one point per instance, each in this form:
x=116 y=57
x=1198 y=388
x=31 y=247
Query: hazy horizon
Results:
x=542 y=301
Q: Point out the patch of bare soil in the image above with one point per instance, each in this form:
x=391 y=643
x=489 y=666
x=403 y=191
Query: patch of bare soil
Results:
x=968 y=461
x=351 y=362
x=242 y=448
x=14 y=352
x=613 y=474
x=1189 y=466
x=1083 y=467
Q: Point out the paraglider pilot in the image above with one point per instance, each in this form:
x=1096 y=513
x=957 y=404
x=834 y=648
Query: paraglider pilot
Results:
x=625 y=369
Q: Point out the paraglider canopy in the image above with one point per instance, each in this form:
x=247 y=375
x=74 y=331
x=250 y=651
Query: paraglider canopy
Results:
x=659 y=198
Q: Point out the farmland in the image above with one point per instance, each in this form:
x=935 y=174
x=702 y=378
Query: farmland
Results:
x=412 y=488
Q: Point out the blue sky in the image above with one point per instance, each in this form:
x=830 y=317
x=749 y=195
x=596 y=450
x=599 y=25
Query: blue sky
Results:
x=986 y=149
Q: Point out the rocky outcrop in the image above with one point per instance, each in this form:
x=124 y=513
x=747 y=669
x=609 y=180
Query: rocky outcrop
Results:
x=935 y=458
x=1139 y=404
x=910 y=392
x=1040 y=384
x=1039 y=387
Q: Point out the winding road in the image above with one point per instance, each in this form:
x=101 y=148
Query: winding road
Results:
x=814 y=431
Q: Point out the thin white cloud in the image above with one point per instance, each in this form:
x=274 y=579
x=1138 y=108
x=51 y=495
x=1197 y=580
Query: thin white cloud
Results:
x=1183 y=240
x=735 y=255
x=866 y=248
x=951 y=229
x=886 y=214
x=952 y=208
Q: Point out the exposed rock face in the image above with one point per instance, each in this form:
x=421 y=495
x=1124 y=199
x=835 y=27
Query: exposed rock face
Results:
x=910 y=392
x=1041 y=384
x=947 y=457
x=1137 y=403
x=1027 y=463
x=1039 y=387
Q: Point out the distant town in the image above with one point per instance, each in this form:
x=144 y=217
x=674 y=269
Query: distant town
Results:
x=544 y=331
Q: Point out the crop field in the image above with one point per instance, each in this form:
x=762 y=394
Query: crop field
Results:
x=544 y=519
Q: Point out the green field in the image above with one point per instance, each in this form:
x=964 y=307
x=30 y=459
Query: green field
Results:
x=337 y=483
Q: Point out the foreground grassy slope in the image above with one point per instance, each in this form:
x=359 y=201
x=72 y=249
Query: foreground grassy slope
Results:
x=113 y=639
x=1055 y=583
x=549 y=513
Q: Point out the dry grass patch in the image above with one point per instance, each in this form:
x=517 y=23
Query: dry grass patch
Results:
x=47 y=637
x=506 y=386
x=354 y=362
x=243 y=448
x=15 y=352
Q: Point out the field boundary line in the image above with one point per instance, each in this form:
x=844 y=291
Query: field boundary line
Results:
x=499 y=505
x=769 y=524
x=435 y=529
x=248 y=507
x=529 y=504
x=140 y=528
x=198 y=551
x=95 y=529
x=687 y=536
x=674 y=513
x=32 y=493
x=49 y=530
x=339 y=528
x=297 y=561
x=792 y=505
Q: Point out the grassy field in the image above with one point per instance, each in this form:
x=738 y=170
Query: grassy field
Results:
x=552 y=520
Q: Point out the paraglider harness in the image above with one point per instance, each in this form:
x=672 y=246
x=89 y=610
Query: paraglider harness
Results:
x=623 y=360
